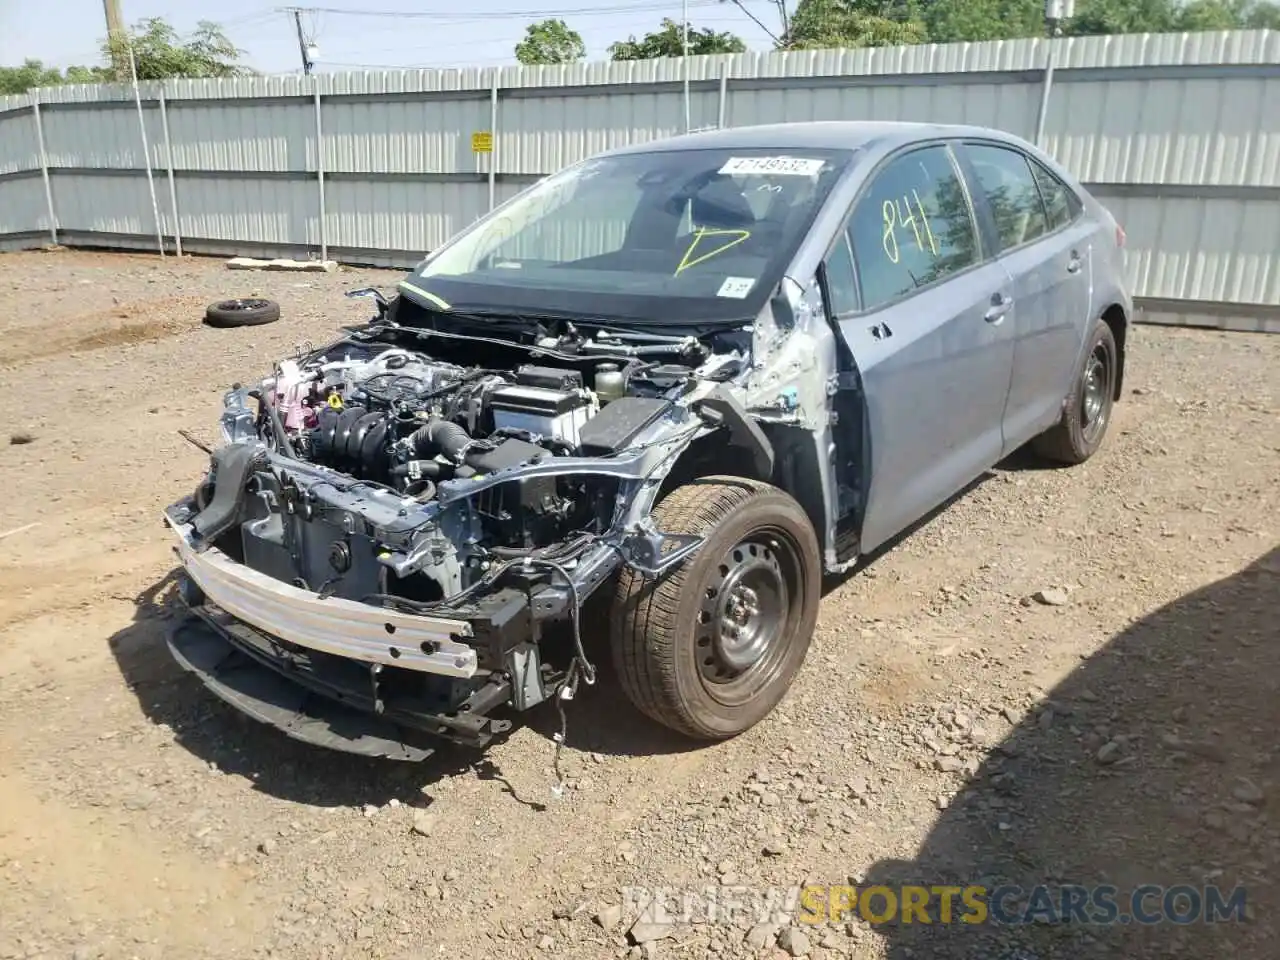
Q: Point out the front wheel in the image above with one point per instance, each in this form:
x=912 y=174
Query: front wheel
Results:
x=1087 y=413
x=710 y=648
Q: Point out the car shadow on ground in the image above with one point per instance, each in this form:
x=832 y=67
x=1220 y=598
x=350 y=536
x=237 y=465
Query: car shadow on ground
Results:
x=1154 y=762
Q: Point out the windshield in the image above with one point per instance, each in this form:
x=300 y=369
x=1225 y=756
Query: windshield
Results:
x=684 y=235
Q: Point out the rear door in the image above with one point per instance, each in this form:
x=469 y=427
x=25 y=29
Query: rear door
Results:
x=923 y=310
x=1044 y=241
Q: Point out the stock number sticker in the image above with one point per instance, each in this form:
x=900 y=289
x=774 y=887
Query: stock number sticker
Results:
x=736 y=287
x=776 y=166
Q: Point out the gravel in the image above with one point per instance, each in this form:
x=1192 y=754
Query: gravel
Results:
x=953 y=723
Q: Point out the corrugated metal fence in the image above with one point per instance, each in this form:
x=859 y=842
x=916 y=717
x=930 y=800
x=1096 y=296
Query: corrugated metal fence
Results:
x=1178 y=133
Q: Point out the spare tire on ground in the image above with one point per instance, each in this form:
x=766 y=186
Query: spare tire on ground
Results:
x=250 y=312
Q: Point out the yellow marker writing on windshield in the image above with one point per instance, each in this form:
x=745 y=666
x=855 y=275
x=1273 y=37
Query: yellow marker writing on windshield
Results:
x=689 y=260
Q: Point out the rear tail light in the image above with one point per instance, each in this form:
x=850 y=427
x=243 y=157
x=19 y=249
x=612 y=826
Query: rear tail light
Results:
x=1120 y=236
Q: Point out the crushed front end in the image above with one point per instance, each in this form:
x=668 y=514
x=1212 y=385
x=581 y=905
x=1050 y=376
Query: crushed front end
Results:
x=394 y=541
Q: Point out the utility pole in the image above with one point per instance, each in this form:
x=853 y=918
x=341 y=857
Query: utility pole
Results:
x=307 y=63
x=684 y=64
x=116 y=39
x=1055 y=12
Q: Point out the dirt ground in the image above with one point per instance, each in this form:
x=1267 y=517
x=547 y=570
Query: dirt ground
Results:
x=946 y=727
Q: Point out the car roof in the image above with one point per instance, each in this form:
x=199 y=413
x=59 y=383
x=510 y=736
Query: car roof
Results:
x=818 y=134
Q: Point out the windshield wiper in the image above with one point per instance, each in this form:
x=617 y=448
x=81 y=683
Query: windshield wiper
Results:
x=533 y=316
x=609 y=324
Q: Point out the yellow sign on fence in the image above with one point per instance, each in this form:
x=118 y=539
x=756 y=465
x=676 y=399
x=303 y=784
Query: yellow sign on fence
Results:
x=482 y=142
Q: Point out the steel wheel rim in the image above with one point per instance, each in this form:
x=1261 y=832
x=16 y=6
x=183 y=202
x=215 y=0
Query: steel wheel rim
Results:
x=249 y=303
x=745 y=615
x=1095 y=397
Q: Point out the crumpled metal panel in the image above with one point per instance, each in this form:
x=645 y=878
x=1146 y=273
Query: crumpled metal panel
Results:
x=344 y=628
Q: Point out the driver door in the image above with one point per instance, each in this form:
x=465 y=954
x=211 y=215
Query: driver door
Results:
x=927 y=318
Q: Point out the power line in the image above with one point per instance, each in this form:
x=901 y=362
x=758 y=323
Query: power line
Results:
x=756 y=20
x=303 y=46
x=501 y=41
x=505 y=14
x=444 y=18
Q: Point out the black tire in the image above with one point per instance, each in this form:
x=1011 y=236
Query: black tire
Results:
x=1087 y=414
x=670 y=635
x=249 y=312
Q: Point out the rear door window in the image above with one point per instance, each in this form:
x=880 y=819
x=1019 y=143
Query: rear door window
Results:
x=1006 y=180
x=912 y=226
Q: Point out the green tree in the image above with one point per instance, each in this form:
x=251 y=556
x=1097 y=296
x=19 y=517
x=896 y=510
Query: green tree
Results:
x=952 y=21
x=32 y=73
x=1123 y=16
x=1229 y=15
x=854 y=23
x=1209 y=15
x=863 y=23
x=87 y=75
x=669 y=42
x=550 y=41
x=1262 y=16
x=159 y=52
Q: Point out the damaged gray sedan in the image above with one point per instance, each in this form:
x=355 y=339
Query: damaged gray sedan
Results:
x=660 y=393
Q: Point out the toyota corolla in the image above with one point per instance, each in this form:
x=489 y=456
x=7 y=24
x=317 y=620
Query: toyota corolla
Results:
x=663 y=391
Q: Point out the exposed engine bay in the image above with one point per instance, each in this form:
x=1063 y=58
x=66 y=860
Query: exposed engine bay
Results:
x=396 y=524
x=398 y=418
x=405 y=422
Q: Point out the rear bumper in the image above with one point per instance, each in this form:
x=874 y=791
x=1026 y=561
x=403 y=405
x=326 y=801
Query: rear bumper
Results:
x=342 y=628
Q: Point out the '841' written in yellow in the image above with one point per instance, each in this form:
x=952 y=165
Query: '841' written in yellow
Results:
x=900 y=214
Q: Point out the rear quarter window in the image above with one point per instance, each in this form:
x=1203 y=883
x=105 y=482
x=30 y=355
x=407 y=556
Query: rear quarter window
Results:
x=1060 y=202
x=912 y=226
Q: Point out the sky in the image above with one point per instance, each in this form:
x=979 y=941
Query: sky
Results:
x=365 y=34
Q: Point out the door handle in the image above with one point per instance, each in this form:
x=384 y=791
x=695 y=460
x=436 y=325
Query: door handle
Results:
x=1074 y=264
x=1000 y=305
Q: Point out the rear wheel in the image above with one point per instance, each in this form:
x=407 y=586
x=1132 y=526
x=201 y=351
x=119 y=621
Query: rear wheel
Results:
x=710 y=648
x=1087 y=414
